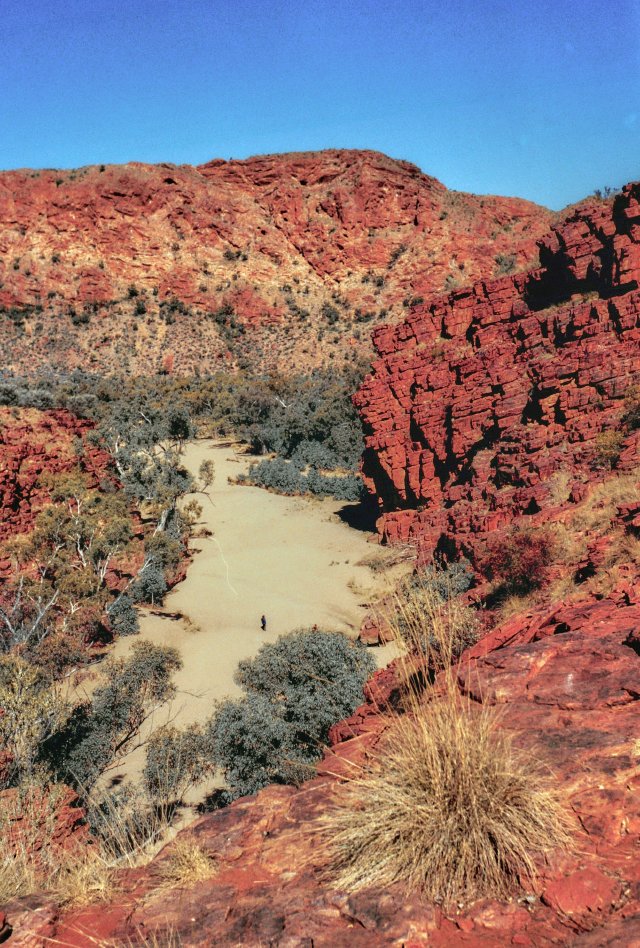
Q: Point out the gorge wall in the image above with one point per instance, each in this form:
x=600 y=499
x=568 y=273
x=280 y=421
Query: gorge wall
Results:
x=480 y=400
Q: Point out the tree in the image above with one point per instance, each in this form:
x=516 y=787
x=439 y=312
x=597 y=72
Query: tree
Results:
x=102 y=731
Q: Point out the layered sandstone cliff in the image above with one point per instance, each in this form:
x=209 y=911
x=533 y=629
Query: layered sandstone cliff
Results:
x=482 y=397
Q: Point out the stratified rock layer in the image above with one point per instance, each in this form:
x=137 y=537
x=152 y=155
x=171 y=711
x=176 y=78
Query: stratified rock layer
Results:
x=481 y=397
x=97 y=252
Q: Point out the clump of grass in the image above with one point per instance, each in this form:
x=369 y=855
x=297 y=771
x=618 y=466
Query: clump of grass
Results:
x=33 y=858
x=448 y=808
x=186 y=864
x=446 y=804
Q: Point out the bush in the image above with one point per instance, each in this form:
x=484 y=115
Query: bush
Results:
x=175 y=759
x=150 y=585
x=446 y=581
x=287 y=478
x=32 y=710
x=102 y=730
x=256 y=746
x=608 y=447
x=295 y=690
x=520 y=560
x=427 y=617
x=447 y=807
x=123 y=616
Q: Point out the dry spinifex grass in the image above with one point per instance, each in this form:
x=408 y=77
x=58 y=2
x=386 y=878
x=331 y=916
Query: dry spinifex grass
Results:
x=186 y=864
x=447 y=805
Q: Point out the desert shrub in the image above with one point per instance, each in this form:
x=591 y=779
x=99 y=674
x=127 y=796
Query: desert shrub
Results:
x=166 y=548
x=175 y=760
x=447 y=806
x=447 y=581
x=102 y=730
x=505 y=263
x=256 y=746
x=277 y=474
x=295 y=690
x=286 y=478
x=426 y=616
x=519 y=561
x=444 y=804
x=123 y=616
x=187 y=863
x=34 y=854
x=607 y=448
x=631 y=418
x=151 y=585
x=32 y=710
x=342 y=487
x=330 y=313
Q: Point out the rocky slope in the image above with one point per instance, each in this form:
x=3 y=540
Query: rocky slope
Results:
x=33 y=444
x=257 y=261
x=269 y=887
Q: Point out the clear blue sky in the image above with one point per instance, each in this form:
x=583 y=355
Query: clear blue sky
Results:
x=535 y=98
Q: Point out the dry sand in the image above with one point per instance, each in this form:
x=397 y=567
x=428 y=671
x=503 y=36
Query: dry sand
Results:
x=290 y=558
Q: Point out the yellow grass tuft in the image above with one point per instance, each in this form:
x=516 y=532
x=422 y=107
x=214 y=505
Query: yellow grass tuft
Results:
x=445 y=805
x=186 y=864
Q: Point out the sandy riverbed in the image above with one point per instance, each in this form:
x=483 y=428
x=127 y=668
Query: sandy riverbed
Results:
x=290 y=558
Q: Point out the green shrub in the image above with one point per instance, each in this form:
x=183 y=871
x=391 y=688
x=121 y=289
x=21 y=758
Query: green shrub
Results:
x=296 y=689
x=102 y=730
x=123 y=616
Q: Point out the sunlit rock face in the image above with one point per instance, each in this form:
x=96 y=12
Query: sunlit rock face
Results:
x=479 y=398
x=129 y=263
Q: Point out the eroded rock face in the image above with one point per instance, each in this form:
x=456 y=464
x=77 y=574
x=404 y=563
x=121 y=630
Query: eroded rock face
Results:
x=100 y=249
x=33 y=443
x=481 y=397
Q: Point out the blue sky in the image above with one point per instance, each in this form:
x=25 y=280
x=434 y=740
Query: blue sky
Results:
x=535 y=98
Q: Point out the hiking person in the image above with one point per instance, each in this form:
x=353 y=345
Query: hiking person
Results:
x=263 y=623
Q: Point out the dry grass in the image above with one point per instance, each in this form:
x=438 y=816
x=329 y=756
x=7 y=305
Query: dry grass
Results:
x=559 y=486
x=445 y=805
x=186 y=864
x=448 y=808
x=422 y=623
x=33 y=859
x=596 y=514
x=80 y=872
x=399 y=553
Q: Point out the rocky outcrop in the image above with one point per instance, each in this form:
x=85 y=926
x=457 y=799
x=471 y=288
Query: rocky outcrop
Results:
x=481 y=399
x=105 y=267
x=32 y=444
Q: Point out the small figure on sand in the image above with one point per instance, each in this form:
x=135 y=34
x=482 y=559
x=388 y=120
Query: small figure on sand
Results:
x=263 y=623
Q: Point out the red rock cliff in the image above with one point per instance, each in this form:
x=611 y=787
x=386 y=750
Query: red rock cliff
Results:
x=479 y=397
